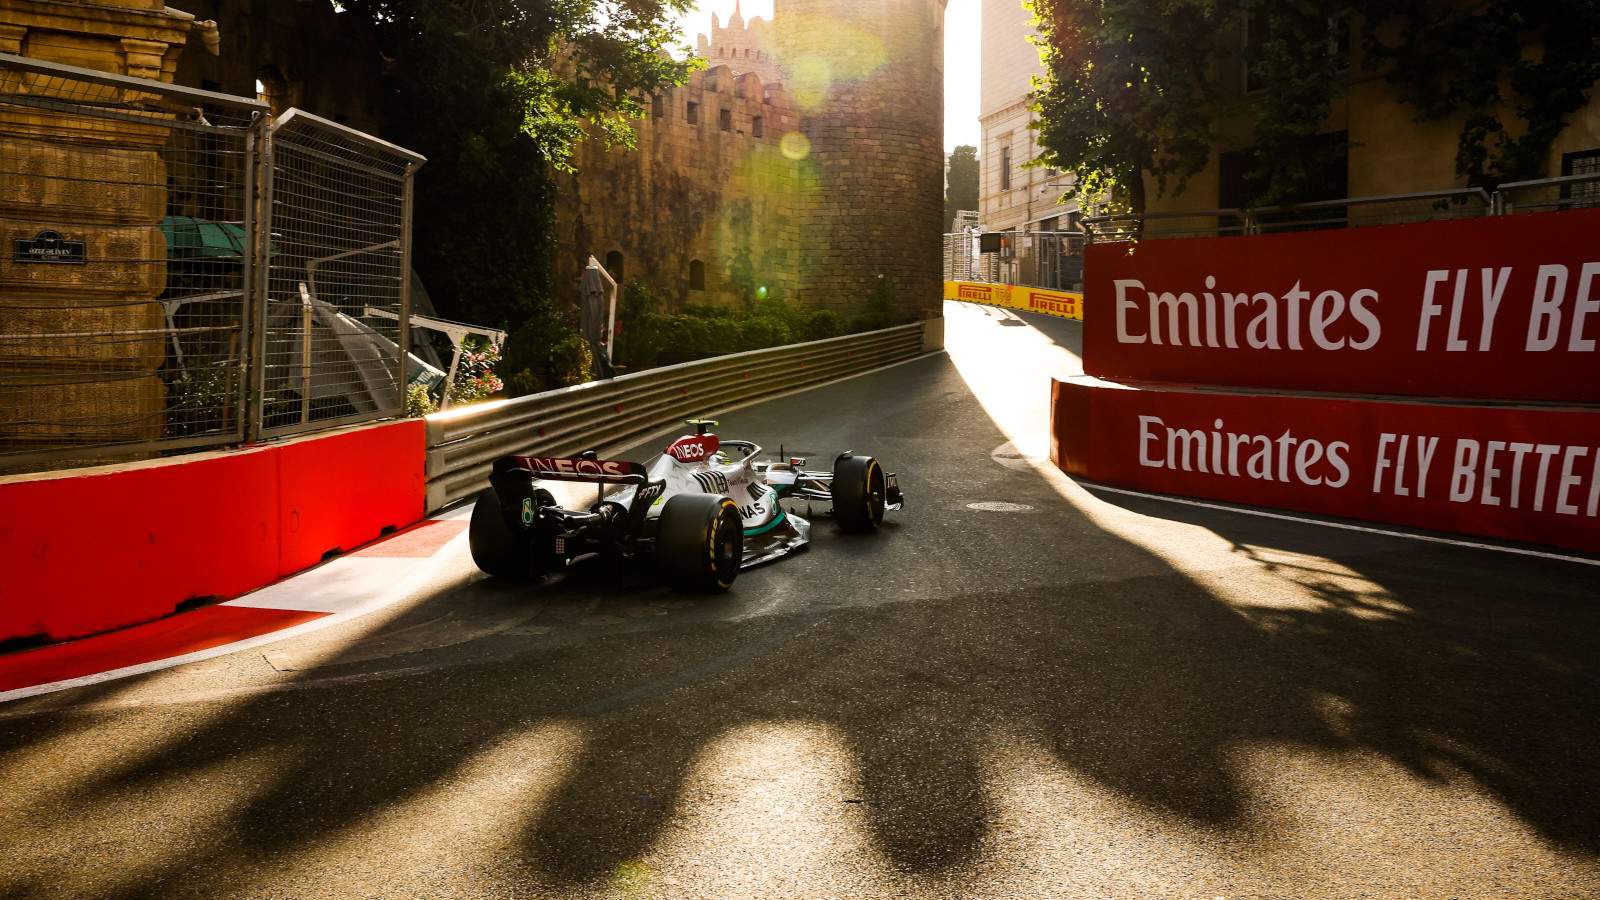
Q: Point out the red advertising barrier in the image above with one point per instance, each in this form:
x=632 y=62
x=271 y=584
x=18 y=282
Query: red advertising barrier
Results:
x=1527 y=474
x=1501 y=307
x=339 y=492
x=105 y=548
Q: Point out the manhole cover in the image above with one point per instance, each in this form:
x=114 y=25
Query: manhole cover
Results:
x=999 y=506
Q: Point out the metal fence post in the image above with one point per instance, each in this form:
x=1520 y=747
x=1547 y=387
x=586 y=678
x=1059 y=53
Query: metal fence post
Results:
x=404 y=337
x=259 y=304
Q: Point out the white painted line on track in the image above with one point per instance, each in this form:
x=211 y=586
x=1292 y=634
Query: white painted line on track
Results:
x=409 y=585
x=1261 y=513
x=333 y=587
x=297 y=592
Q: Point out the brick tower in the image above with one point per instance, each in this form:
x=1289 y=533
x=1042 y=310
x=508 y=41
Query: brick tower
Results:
x=868 y=76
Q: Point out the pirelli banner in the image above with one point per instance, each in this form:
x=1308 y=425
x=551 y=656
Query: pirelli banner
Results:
x=1501 y=308
x=1054 y=303
x=1522 y=473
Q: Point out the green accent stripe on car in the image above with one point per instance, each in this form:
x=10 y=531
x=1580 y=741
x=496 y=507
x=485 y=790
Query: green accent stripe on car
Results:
x=749 y=532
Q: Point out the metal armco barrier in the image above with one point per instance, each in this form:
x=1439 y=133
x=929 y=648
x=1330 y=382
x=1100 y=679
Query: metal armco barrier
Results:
x=462 y=444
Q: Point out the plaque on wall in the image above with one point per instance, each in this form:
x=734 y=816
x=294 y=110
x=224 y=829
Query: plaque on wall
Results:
x=49 y=247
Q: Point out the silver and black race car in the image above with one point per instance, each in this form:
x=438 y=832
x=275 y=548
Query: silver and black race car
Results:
x=701 y=511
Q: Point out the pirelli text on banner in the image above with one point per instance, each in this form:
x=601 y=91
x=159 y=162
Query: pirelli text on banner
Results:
x=1065 y=304
x=1503 y=308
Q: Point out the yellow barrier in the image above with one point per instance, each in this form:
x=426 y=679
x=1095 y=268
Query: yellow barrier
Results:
x=1054 y=303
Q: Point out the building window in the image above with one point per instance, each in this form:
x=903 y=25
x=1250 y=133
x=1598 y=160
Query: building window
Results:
x=694 y=114
x=658 y=106
x=1584 y=162
x=614 y=265
x=725 y=119
x=755 y=126
x=1005 y=168
x=1254 y=33
x=697 y=275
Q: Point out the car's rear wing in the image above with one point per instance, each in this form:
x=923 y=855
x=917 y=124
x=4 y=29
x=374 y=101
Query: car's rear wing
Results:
x=582 y=470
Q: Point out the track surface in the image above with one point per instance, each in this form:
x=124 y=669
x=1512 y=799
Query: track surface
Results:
x=1102 y=696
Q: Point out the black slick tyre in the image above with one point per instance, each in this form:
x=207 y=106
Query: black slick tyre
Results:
x=498 y=546
x=700 y=542
x=496 y=549
x=858 y=494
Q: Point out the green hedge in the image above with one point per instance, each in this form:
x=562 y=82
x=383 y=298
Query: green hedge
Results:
x=648 y=338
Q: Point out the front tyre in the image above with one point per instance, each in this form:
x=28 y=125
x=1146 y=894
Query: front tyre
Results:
x=700 y=542
x=858 y=494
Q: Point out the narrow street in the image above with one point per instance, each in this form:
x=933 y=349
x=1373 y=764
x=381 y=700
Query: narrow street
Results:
x=1070 y=693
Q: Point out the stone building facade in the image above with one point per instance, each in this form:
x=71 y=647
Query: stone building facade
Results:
x=302 y=53
x=807 y=160
x=703 y=210
x=1012 y=195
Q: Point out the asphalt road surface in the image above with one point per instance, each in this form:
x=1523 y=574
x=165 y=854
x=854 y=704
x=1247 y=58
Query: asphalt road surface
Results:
x=1097 y=696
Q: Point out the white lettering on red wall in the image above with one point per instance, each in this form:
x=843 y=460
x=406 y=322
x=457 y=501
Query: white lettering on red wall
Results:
x=1495 y=308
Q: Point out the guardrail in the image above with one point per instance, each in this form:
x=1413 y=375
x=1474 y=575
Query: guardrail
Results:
x=463 y=443
x=1390 y=209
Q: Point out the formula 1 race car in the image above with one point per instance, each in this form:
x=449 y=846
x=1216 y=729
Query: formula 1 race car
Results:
x=701 y=511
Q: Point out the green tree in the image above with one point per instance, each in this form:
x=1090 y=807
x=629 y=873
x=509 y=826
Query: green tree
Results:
x=961 y=184
x=1130 y=91
x=1468 y=58
x=1127 y=91
x=497 y=94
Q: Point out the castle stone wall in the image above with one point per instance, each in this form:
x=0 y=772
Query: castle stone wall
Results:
x=712 y=191
x=869 y=77
x=844 y=185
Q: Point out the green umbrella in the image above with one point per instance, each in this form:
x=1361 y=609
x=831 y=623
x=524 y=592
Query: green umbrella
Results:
x=189 y=237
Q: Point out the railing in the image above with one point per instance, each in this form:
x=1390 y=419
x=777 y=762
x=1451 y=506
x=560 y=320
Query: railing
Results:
x=463 y=443
x=1052 y=260
x=144 y=308
x=1351 y=212
x=1546 y=194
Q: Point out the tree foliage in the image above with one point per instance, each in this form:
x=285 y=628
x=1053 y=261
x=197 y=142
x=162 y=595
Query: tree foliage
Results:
x=1134 y=88
x=961 y=188
x=1452 y=59
x=497 y=94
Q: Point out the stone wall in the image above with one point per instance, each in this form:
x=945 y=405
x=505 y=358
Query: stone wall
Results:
x=302 y=51
x=79 y=365
x=869 y=77
x=712 y=191
x=843 y=185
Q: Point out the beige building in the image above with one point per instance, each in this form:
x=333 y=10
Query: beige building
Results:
x=1390 y=152
x=1009 y=195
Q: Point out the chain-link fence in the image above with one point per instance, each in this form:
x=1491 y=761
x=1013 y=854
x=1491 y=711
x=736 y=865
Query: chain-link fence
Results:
x=337 y=276
x=1052 y=260
x=134 y=313
x=127 y=220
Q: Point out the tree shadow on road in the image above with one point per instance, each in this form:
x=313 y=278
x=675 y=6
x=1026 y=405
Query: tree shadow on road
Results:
x=959 y=630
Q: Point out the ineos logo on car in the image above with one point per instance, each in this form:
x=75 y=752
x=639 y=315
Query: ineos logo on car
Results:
x=694 y=448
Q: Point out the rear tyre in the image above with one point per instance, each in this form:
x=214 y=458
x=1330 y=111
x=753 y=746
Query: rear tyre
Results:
x=858 y=494
x=500 y=548
x=700 y=542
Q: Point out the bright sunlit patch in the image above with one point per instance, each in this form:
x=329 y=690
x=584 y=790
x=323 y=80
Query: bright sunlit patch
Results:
x=148 y=840
x=779 y=806
x=795 y=145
